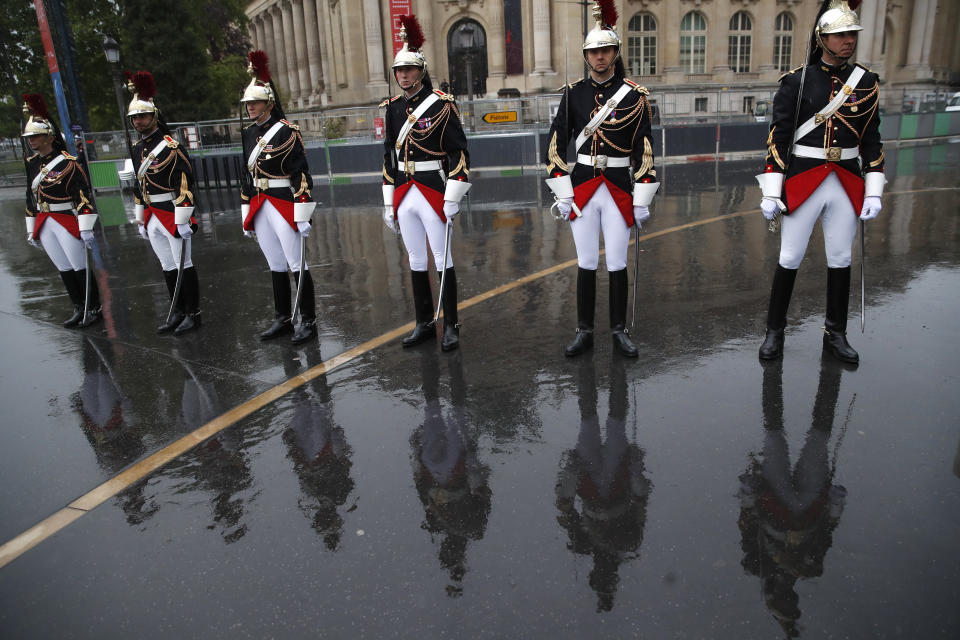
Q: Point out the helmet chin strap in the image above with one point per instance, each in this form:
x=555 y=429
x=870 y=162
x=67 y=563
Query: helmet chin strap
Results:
x=830 y=51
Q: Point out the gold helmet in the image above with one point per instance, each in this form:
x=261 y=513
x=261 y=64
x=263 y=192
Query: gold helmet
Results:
x=837 y=16
x=260 y=87
x=38 y=118
x=410 y=54
x=603 y=34
x=144 y=89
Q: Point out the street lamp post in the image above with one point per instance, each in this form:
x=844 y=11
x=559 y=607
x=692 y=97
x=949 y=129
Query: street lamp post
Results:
x=112 y=51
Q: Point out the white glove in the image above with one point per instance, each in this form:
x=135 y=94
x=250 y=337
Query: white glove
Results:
x=303 y=228
x=88 y=240
x=33 y=241
x=771 y=207
x=450 y=210
x=640 y=215
x=388 y=218
x=565 y=206
x=142 y=228
x=184 y=230
x=871 y=207
x=249 y=234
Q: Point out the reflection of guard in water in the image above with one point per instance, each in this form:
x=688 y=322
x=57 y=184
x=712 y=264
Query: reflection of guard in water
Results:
x=321 y=458
x=607 y=474
x=451 y=481
x=788 y=513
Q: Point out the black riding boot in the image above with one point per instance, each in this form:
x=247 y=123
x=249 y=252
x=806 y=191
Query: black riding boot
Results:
x=451 y=325
x=423 y=307
x=93 y=314
x=835 y=326
x=190 y=300
x=308 y=310
x=780 y=293
x=75 y=291
x=281 y=305
x=618 y=313
x=586 y=303
x=170 y=278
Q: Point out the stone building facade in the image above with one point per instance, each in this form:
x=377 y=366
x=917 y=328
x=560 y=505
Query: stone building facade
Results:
x=333 y=53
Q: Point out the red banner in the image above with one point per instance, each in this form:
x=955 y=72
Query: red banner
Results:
x=398 y=8
x=45 y=36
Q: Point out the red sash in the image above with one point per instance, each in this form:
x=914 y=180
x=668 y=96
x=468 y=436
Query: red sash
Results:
x=67 y=220
x=801 y=186
x=585 y=190
x=284 y=207
x=434 y=198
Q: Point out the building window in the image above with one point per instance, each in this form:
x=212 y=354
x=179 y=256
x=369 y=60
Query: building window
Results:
x=738 y=53
x=748 y=104
x=783 y=42
x=700 y=105
x=693 y=42
x=642 y=45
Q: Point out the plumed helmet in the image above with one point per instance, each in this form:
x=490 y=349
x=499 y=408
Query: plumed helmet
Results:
x=260 y=87
x=144 y=89
x=838 y=16
x=410 y=54
x=38 y=118
x=603 y=34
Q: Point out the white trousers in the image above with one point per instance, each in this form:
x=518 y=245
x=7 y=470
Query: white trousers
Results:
x=66 y=252
x=166 y=246
x=831 y=205
x=278 y=241
x=418 y=224
x=601 y=213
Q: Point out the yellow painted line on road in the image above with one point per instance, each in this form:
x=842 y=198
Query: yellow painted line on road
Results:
x=71 y=513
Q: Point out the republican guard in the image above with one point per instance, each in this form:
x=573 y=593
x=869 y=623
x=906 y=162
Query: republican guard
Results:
x=276 y=204
x=824 y=161
x=164 y=203
x=60 y=217
x=426 y=168
x=612 y=183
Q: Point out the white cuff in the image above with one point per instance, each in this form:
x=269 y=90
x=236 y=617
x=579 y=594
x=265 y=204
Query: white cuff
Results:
x=244 y=212
x=31 y=223
x=86 y=221
x=455 y=190
x=643 y=193
x=127 y=172
x=387 y=195
x=561 y=186
x=771 y=184
x=873 y=184
x=138 y=213
x=303 y=211
x=181 y=215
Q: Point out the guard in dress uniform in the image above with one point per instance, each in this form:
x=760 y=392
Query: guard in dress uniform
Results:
x=276 y=204
x=835 y=172
x=60 y=217
x=164 y=201
x=610 y=187
x=426 y=167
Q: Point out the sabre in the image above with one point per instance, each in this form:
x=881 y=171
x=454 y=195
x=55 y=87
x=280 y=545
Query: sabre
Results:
x=303 y=266
x=555 y=207
x=636 y=274
x=86 y=286
x=443 y=275
x=176 y=288
x=863 y=307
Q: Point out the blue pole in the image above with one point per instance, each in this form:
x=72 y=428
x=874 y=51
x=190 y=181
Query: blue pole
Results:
x=64 y=112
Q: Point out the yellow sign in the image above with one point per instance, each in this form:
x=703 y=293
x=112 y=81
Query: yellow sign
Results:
x=500 y=116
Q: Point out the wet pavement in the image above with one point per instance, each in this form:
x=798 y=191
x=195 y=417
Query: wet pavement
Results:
x=501 y=490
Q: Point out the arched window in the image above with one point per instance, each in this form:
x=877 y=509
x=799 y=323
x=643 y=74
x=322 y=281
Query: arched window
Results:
x=783 y=42
x=467 y=58
x=738 y=52
x=642 y=45
x=693 y=42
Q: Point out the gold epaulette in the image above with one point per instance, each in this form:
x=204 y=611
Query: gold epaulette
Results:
x=444 y=96
x=570 y=85
x=864 y=67
x=173 y=144
x=68 y=156
x=789 y=72
x=640 y=89
x=290 y=124
x=388 y=101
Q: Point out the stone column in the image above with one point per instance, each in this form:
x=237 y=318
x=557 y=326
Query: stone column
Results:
x=435 y=41
x=300 y=52
x=869 y=36
x=541 y=37
x=313 y=51
x=323 y=43
x=278 y=60
x=497 y=43
x=918 y=26
x=288 y=43
x=928 y=28
x=374 y=40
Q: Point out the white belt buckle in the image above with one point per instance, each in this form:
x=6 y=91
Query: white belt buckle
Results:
x=263 y=183
x=833 y=153
x=600 y=162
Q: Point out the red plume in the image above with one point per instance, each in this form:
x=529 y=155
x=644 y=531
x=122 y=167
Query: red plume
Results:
x=261 y=66
x=854 y=4
x=608 y=12
x=37 y=105
x=144 y=84
x=415 y=37
x=128 y=76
